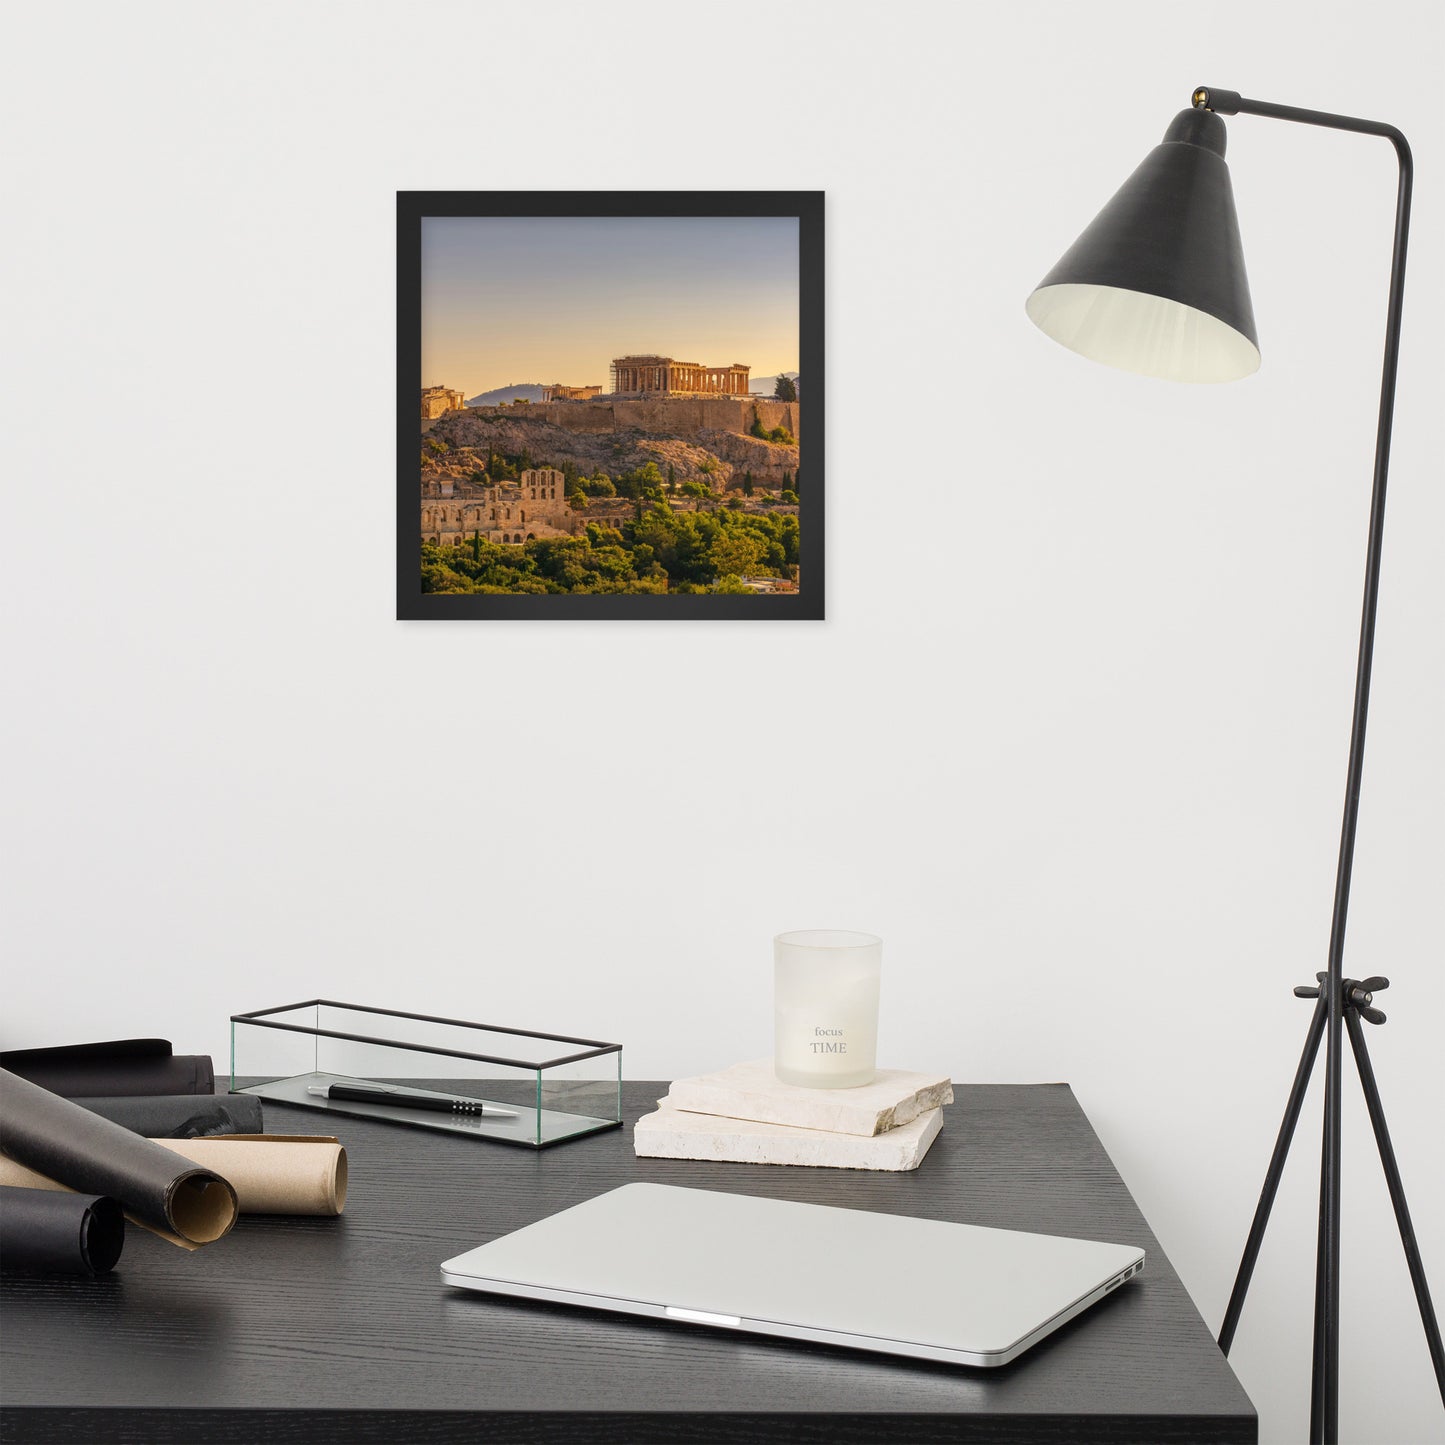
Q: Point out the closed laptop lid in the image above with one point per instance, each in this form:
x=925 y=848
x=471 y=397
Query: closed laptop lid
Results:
x=809 y=1269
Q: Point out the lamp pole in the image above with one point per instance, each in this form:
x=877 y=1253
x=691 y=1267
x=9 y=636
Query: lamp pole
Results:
x=1337 y=999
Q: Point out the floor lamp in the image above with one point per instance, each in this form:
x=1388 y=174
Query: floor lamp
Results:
x=1157 y=285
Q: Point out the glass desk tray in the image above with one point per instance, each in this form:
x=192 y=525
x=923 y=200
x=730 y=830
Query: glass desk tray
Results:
x=546 y=1088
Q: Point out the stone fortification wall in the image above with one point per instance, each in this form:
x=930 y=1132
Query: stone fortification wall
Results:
x=666 y=416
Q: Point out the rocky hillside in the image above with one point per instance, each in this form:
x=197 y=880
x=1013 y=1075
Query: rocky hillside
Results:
x=730 y=455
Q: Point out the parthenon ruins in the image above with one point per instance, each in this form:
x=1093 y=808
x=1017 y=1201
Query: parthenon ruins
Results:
x=662 y=376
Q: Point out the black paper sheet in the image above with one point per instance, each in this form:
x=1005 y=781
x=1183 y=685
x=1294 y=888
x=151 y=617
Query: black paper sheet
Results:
x=91 y=1155
x=181 y=1116
x=120 y=1066
x=42 y=1232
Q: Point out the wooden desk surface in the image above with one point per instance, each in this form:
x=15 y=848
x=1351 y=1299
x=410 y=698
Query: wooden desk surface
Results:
x=339 y=1329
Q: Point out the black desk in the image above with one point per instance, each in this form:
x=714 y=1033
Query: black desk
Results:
x=338 y=1329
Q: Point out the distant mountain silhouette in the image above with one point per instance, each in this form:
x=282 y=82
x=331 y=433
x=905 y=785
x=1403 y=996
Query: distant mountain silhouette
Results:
x=763 y=385
x=521 y=391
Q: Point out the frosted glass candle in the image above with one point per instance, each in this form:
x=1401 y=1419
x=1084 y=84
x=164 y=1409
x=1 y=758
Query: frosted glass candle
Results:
x=825 y=995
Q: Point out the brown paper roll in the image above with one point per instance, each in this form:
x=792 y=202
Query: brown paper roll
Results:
x=274 y=1173
x=271 y=1173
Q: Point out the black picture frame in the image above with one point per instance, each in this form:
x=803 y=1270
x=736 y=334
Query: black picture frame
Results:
x=413 y=206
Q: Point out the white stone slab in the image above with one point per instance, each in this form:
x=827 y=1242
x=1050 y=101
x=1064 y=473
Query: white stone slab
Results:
x=753 y=1091
x=673 y=1133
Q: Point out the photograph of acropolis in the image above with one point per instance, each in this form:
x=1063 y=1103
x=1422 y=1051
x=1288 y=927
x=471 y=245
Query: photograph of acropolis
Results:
x=586 y=426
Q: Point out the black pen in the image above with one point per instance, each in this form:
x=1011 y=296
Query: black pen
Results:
x=400 y=1098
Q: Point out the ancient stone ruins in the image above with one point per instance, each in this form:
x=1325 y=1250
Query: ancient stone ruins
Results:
x=695 y=423
x=662 y=376
x=558 y=392
x=453 y=509
x=437 y=401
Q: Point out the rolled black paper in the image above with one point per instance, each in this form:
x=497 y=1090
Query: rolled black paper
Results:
x=91 y=1155
x=181 y=1116
x=119 y=1066
x=45 y=1232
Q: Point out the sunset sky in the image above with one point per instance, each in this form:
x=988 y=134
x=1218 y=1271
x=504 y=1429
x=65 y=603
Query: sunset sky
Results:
x=521 y=299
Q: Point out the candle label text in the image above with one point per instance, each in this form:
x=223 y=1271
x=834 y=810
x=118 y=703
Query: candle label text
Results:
x=828 y=1041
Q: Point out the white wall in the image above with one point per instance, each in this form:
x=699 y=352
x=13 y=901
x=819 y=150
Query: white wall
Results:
x=1072 y=738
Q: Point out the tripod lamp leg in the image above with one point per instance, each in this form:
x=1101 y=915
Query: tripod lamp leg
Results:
x=1397 y=1196
x=1273 y=1175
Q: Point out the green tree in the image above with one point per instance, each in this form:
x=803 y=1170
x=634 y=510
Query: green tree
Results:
x=671 y=478
x=784 y=389
x=696 y=489
x=747 y=484
x=438 y=577
x=757 y=429
x=789 y=496
x=644 y=481
x=707 y=550
x=563 y=559
x=737 y=552
x=679 y=541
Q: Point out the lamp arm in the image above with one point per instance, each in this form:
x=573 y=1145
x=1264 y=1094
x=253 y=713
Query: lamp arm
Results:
x=1231 y=102
x=1325 y=1422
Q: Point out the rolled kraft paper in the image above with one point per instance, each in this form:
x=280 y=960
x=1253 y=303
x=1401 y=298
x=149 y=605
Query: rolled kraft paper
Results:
x=181 y=1116
x=42 y=1232
x=275 y=1173
x=271 y=1173
x=186 y=1204
x=119 y=1066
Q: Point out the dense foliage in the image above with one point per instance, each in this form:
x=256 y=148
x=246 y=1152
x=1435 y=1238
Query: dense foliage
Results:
x=777 y=434
x=661 y=551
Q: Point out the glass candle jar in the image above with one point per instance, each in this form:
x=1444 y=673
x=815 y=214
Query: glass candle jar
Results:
x=825 y=996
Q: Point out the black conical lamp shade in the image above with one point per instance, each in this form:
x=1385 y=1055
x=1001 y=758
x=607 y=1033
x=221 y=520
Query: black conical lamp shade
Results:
x=1156 y=285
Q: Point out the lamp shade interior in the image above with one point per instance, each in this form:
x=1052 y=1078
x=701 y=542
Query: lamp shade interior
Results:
x=1156 y=283
x=1134 y=331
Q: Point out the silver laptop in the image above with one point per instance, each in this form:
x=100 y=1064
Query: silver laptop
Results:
x=918 y=1287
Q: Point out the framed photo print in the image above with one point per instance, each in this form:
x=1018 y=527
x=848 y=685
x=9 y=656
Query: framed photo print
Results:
x=621 y=404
